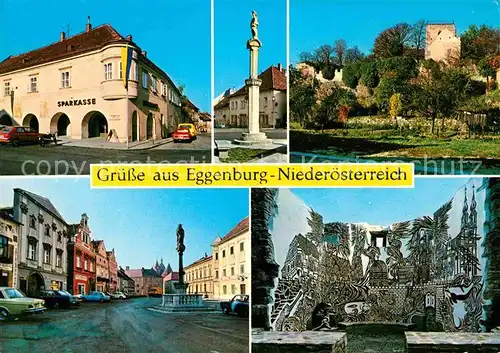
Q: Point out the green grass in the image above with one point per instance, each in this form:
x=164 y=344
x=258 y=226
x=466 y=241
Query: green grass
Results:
x=367 y=142
x=242 y=155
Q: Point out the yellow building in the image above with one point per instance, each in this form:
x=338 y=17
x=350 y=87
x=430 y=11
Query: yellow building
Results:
x=74 y=87
x=231 y=262
x=198 y=275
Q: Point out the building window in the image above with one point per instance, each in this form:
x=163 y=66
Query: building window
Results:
x=78 y=262
x=232 y=271
x=265 y=101
x=242 y=269
x=136 y=71
x=32 y=222
x=65 y=79
x=223 y=253
x=46 y=254
x=47 y=230
x=32 y=249
x=164 y=89
x=81 y=288
x=59 y=258
x=4 y=245
x=33 y=84
x=121 y=70
x=7 y=88
x=216 y=274
x=233 y=289
x=242 y=246
x=224 y=289
x=217 y=256
x=145 y=79
x=91 y=266
x=153 y=84
x=231 y=250
x=85 y=264
x=59 y=237
x=108 y=71
x=224 y=273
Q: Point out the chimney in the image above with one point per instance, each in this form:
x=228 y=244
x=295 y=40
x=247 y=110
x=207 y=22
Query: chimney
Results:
x=129 y=38
x=127 y=268
x=63 y=36
x=280 y=67
x=145 y=53
x=89 y=26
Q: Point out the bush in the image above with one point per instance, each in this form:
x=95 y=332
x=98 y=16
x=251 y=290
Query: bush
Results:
x=403 y=67
x=351 y=74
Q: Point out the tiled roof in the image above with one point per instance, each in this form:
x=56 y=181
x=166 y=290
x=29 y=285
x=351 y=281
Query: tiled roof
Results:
x=78 y=44
x=237 y=230
x=199 y=261
x=43 y=202
x=172 y=276
x=121 y=273
x=134 y=273
x=272 y=79
x=223 y=103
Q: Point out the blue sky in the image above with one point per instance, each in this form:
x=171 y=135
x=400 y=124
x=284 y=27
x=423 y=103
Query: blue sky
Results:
x=318 y=22
x=232 y=31
x=141 y=224
x=382 y=206
x=176 y=34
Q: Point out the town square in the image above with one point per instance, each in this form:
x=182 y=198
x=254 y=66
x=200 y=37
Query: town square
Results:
x=142 y=275
x=103 y=89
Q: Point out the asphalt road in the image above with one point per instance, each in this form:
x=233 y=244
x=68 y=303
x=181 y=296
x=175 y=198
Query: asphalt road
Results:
x=231 y=134
x=125 y=327
x=68 y=160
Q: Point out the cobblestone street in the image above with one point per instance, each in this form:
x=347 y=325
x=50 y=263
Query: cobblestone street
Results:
x=126 y=327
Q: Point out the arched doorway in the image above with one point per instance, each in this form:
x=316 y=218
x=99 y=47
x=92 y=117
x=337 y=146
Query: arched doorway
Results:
x=35 y=284
x=59 y=124
x=94 y=124
x=135 y=132
x=149 y=126
x=31 y=121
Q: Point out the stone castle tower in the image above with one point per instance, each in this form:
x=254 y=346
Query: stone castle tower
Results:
x=442 y=43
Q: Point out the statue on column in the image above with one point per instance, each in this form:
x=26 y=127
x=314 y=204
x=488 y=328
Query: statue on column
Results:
x=180 y=239
x=254 y=24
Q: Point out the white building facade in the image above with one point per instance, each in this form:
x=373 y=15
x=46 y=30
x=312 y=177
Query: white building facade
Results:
x=75 y=88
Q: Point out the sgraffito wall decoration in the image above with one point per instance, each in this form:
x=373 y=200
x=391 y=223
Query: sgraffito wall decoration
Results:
x=426 y=271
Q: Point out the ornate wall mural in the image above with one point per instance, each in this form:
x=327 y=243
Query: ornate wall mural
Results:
x=426 y=271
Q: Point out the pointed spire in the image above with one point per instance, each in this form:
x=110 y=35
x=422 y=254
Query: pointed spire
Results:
x=465 y=210
x=162 y=260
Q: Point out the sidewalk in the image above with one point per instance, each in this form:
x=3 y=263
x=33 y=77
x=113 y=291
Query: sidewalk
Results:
x=101 y=143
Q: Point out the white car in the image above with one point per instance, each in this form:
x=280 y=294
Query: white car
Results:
x=119 y=295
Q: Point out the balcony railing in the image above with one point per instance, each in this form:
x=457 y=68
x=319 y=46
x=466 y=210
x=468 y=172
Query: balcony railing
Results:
x=7 y=254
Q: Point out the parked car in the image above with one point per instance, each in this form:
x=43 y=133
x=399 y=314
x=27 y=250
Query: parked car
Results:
x=14 y=303
x=119 y=295
x=57 y=299
x=96 y=296
x=185 y=132
x=238 y=305
x=74 y=298
x=17 y=135
x=155 y=292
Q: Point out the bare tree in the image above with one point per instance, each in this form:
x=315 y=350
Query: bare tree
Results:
x=417 y=36
x=339 y=49
x=352 y=55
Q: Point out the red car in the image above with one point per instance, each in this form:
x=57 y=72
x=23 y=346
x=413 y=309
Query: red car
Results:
x=17 y=135
x=182 y=134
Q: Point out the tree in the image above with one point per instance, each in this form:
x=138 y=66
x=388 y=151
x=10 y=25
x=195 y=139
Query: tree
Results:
x=403 y=67
x=392 y=41
x=339 y=49
x=486 y=68
x=302 y=100
x=395 y=105
x=480 y=42
x=369 y=75
x=417 y=37
x=389 y=84
x=328 y=112
x=353 y=55
x=351 y=74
